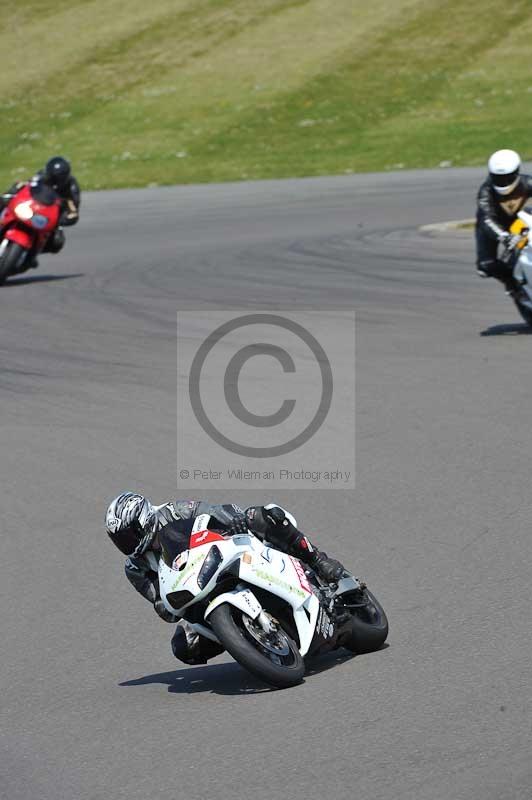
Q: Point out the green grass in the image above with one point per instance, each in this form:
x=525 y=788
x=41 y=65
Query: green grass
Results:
x=179 y=91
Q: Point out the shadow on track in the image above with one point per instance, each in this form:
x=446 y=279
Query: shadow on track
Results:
x=515 y=329
x=40 y=279
x=230 y=678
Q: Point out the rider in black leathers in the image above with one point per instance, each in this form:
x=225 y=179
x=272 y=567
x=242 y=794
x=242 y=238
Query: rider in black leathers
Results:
x=58 y=176
x=133 y=524
x=501 y=196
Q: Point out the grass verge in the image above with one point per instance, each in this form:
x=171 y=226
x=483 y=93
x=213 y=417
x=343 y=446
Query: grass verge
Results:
x=182 y=91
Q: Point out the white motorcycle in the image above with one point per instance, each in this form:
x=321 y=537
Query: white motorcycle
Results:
x=523 y=265
x=266 y=608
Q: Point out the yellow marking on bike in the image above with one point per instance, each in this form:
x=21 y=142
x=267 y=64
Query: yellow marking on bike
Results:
x=279 y=582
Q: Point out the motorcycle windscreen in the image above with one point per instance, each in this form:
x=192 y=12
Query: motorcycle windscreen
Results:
x=43 y=194
x=174 y=538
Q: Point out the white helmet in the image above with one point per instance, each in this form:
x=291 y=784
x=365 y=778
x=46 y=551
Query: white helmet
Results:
x=504 y=170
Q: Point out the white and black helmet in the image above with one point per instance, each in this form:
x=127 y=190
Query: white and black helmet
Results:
x=126 y=521
x=504 y=168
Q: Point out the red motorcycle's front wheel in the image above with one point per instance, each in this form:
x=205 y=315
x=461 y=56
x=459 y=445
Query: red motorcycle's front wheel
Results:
x=11 y=256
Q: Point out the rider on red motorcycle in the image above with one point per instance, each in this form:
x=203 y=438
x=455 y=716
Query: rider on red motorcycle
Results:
x=58 y=176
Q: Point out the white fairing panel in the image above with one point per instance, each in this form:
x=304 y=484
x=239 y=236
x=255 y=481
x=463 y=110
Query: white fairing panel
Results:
x=244 y=599
x=259 y=565
x=523 y=273
x=306 y=626
x=523 y=267
x=201 y=523
x=183 y=575
x=285 y=577
x=176 y=580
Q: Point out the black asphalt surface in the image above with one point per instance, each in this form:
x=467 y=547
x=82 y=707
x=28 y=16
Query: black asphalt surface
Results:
x=93 y=705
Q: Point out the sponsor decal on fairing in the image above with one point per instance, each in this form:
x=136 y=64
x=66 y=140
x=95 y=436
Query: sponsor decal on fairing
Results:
x=301 y=574
x=180 y=560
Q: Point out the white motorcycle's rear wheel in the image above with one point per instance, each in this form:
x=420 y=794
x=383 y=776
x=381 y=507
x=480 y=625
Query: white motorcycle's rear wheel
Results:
x=272 y=657
x=369 y=624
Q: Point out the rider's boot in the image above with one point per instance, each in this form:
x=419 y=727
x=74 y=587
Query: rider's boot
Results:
x=512 y=287
x=329 y=569
x=280 y=529
x=191 y=648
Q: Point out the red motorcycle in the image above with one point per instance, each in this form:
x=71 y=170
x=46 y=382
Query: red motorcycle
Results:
x=26 y=223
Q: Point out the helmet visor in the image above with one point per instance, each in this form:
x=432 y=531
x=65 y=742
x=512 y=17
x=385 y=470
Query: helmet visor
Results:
x=127 y=539
x=503 y=181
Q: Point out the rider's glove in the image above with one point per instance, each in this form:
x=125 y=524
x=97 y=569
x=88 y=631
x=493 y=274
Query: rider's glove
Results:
x=163 y=612
x=510 y=241
x=275 y=516
x=282 y=532
x=239 y=525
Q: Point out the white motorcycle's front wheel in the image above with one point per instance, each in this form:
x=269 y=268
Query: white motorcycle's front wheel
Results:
x=270 y=655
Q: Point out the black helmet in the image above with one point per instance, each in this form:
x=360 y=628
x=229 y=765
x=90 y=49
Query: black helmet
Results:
x=57 y=172
x=125 y=522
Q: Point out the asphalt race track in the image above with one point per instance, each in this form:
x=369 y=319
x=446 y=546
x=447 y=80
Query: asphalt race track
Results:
x=94 y=707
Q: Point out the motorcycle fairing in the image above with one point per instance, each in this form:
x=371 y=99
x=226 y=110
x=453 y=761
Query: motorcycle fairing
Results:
x=523 y=265
x=243 y=598
x=277 y=573
x=280 y=576
x=20 y=236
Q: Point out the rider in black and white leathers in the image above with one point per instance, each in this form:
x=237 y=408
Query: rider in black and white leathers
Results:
x=496 y=211
x=187 y=645
x=138 y=570
x=268 y=522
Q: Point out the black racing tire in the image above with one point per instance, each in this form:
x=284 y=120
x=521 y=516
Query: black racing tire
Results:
x=369 y=625
x=10 y=259
x=228 y=624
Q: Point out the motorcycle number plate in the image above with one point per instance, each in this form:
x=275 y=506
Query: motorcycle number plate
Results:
x=250 y=604
x=39 y=221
